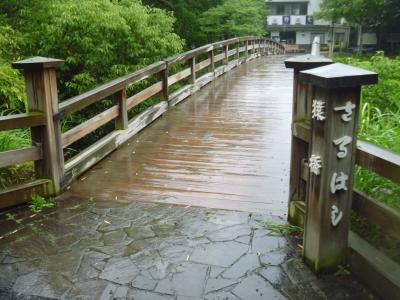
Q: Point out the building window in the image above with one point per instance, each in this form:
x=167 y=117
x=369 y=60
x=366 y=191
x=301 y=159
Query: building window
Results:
x=296 y=9
x=303 y=8
x=280 y=9
x=272 y=9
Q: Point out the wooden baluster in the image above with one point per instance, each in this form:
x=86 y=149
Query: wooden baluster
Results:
x=192 y=64
x=226 y=49
x=121 y=122
x=238 y=51
x=163 y=76
x=263 y=47
x=42 y=95
x=212 y=63
x=332 y=156
x=301 y=112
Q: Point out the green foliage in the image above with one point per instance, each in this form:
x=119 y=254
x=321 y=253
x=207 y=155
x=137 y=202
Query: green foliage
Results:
x=12 y=217
x=187 y=14
x=372 y=233
x=361 y=12
x=11 y=140
x=380 y=103
x=379 y=123
x=280 y=229
x=38 y=203
x=98 y=39
x=234 y=18
x=12 y=88
x=343 y=270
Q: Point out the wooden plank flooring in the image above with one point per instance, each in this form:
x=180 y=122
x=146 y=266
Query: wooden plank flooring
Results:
x=226 y=147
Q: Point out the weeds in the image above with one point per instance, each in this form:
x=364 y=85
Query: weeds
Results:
x=38 y=203
x=343 y=270
x=282 y=229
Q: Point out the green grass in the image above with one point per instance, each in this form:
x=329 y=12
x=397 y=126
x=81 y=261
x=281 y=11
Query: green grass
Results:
x=380 y=125
x=12 y=140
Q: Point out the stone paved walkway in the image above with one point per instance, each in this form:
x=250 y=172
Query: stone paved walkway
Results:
x=93 y=249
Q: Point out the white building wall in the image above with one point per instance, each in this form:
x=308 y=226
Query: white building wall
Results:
x=303 y=37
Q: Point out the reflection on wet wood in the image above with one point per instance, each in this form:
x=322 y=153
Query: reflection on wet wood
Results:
x=225 y=147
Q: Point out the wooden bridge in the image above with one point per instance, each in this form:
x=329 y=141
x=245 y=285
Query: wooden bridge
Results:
x=227 y=146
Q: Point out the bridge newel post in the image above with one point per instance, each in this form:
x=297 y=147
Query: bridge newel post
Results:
x=247 y=48
x=334 y=118
x=301 y=116
x=41 y=88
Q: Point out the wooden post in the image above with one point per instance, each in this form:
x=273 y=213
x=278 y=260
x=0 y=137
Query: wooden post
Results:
x=212 y=63
x=301 y=114
x=41 y=88
x=263 y=46
x=121 y=122
x=335 y=108
x=247 y=48
x=226 y=48
x=238 y=50
x=163 y=75
x=192 y=64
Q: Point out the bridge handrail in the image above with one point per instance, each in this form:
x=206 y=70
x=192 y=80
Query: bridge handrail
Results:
x=45 y=112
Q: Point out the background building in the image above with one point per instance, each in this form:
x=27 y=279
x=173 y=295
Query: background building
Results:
x=292 y=21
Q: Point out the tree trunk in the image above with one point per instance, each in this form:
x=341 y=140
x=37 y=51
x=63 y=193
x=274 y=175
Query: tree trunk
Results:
x=359 y=43
x=332 y=44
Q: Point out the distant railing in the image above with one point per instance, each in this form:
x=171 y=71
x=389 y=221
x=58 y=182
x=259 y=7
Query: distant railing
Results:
x=45 y=113
x=324 y=150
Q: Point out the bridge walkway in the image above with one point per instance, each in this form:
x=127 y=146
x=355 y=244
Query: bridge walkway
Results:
x=227 y=146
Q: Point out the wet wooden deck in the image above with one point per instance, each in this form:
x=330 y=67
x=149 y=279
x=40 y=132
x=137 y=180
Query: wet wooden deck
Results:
x=225 y=147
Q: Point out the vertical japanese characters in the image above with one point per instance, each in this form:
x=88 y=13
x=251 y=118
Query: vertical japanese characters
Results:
x=338 y=180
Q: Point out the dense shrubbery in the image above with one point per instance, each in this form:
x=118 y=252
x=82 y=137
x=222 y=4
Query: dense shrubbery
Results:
x=99 y=41
x=234 y=18
x=380 y=122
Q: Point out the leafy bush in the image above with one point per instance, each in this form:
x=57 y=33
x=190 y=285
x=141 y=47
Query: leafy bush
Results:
x=235 y=18
x=379 y=122
x=98 y=39
x=12 y=89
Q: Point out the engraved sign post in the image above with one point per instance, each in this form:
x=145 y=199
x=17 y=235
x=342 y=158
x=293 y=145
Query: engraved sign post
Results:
x=333 y=128
x=301 y=112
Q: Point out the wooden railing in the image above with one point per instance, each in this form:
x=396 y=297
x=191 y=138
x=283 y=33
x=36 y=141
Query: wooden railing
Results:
x=45 y=113
x=318 y=79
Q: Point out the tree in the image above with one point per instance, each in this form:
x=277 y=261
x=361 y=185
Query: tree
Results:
x=98 y=39
x=12 y=88
x=364 y=13
x=234 y=18
x=187 y=14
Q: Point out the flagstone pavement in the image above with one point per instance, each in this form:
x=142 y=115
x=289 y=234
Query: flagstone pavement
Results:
x=87 y=249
